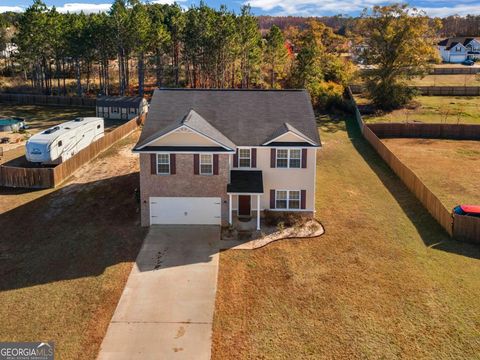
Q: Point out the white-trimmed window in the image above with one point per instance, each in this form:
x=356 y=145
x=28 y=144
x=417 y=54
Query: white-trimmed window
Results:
x=163 y=164
x=295 y=158
x=282 y=158
x=289 y=158
x=287 y=199
x=206 y=164
x=244 y=158
x=281 y=199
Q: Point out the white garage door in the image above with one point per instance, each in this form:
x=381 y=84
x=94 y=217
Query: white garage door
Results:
x=185 y=210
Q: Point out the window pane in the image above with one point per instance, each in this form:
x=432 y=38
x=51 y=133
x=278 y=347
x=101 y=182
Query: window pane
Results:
x=282 y=154
x=163 y=158
x=281 y=195
x=205 y=159
x=206 y=169
x=163 y=169
x=245 y=162
x=282 y=163
x=295 y=154
x=294 y=204
x=244 y=153
x=295 y=163
x=281 y=204
x=295 y=195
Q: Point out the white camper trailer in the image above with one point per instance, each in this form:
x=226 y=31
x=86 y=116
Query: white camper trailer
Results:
x=61 y=142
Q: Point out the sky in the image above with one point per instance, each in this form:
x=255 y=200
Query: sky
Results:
x=439 y=8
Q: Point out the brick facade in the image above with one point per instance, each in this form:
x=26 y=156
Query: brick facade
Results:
x=183 y=184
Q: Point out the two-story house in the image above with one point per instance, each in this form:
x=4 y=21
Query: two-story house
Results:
x=459 y=49
x=207 y=156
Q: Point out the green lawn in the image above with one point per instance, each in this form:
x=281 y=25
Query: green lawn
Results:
x=432 y=109
x=66 y=254
x=450 y=168
x=384 y=282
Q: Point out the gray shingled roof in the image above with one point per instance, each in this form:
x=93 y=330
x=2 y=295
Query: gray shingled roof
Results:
x=285 y=128
x=246 y=117
x=194 y=121
x=120 y=101
x=451 y=42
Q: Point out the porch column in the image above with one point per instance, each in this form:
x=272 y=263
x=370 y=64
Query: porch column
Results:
x=230 y=209
x=258 y=212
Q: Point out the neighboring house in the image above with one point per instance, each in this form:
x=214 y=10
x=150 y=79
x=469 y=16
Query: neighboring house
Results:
x=10 y=50
x=459 y=49
x=121 y=107
x=207 y=156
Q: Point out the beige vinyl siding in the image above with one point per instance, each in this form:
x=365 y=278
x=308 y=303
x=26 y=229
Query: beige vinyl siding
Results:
x=284 y=179
x=180 y=138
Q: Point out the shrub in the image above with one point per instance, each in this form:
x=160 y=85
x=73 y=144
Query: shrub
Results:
x=288 y=219
x=326 y=95
x=390 y=96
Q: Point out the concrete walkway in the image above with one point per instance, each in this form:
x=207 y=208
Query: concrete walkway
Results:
x=166 y=309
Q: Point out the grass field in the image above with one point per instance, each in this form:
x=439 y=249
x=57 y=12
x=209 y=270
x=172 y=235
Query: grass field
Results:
x=41 y=117
x=447 y=80
x=450 y=168
x=432 y=109
x=65 y=254
x=384 y=282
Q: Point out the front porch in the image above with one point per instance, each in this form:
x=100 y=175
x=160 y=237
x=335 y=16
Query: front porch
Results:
x=244 y=197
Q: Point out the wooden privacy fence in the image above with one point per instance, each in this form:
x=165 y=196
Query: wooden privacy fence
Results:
x=449 y=90
x=62 y=171
x=32 y=178
x=408 y=177
x=412 y=182
x=456 y=71
x=31 y=99
x=433 y=90
x=427 y=131
x=466 y=228
x=43 y=178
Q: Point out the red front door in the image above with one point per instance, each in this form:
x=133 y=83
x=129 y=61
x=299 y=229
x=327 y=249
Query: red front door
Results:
x=244 y=205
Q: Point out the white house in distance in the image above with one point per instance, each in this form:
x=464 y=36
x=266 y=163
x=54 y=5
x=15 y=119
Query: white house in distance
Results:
x=121 y=107
x=459 y=49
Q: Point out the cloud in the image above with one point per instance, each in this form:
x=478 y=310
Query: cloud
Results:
x=352 y=7
x=10 y=8
x=462 y=10
x=86 y=8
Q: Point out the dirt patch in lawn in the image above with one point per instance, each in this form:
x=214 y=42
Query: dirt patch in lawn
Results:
x=450 y=168
x=384 y=281
x=66 y=254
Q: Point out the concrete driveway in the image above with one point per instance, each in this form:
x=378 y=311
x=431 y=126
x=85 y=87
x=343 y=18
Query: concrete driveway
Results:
x=166 y=309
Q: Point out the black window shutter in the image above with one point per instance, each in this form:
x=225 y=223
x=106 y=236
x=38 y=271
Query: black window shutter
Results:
x=235 y=159
x=272 y=199
x=273 y=158
x=153 y=164
x=215 y=164
x=253 y=156
x=173 y=164
x=304 y=158
x=196 y=164
x=303 y=199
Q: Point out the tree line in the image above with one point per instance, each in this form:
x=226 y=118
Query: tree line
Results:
x=200 y=47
